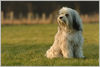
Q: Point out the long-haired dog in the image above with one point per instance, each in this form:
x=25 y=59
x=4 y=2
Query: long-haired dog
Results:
x=68 y=40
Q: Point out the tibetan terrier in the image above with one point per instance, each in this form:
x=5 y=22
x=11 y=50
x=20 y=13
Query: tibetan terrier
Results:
x=68 y=40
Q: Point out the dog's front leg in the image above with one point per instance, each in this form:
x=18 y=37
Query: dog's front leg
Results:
x=54 y=51
x=67 y=50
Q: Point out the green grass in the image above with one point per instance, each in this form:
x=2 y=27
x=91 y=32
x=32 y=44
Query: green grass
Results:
x=25 y=45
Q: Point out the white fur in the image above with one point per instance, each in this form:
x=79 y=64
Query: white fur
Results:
x=68 y=41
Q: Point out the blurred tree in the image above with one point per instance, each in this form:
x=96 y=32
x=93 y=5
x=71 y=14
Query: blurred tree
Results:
x=77 y=6
x=29 y=7
x=48 y=7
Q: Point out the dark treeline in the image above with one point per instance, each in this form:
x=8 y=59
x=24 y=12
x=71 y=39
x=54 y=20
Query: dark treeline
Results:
x=48 y=7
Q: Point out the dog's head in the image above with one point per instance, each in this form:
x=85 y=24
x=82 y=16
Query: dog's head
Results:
x=69 y=18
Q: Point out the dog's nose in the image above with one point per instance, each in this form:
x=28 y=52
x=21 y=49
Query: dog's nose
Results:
x=60 y=17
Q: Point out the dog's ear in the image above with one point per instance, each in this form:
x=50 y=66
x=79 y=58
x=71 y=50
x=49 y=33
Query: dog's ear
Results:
x=76 y=21
x=75 y=24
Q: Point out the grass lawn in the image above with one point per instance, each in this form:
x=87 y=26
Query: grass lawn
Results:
x=25 y=45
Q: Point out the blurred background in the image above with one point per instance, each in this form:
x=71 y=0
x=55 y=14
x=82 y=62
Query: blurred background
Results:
x=45 y=12
x=28 y=29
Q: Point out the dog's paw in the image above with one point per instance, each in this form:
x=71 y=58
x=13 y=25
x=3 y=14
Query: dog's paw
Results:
x=83 y=57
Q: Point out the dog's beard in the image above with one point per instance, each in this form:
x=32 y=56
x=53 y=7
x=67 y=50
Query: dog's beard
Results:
x=63 y=22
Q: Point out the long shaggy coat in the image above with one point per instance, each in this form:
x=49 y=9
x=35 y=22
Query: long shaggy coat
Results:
x=68 y=40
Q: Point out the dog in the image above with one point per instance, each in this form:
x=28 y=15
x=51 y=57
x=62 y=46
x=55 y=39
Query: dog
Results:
x=68 y=40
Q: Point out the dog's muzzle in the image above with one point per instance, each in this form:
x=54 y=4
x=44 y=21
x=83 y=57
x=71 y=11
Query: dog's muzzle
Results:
x=61 y=19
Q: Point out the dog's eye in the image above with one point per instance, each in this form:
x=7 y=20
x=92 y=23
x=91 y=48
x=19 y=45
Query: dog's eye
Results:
x=66 y=15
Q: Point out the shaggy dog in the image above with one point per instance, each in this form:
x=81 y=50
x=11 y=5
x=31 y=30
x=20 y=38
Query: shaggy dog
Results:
x=68 y=40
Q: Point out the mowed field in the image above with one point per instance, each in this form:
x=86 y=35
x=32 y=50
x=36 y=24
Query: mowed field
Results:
x=26 y=45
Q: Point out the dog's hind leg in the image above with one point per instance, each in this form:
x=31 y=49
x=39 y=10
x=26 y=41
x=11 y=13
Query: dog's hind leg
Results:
x=78 y=52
